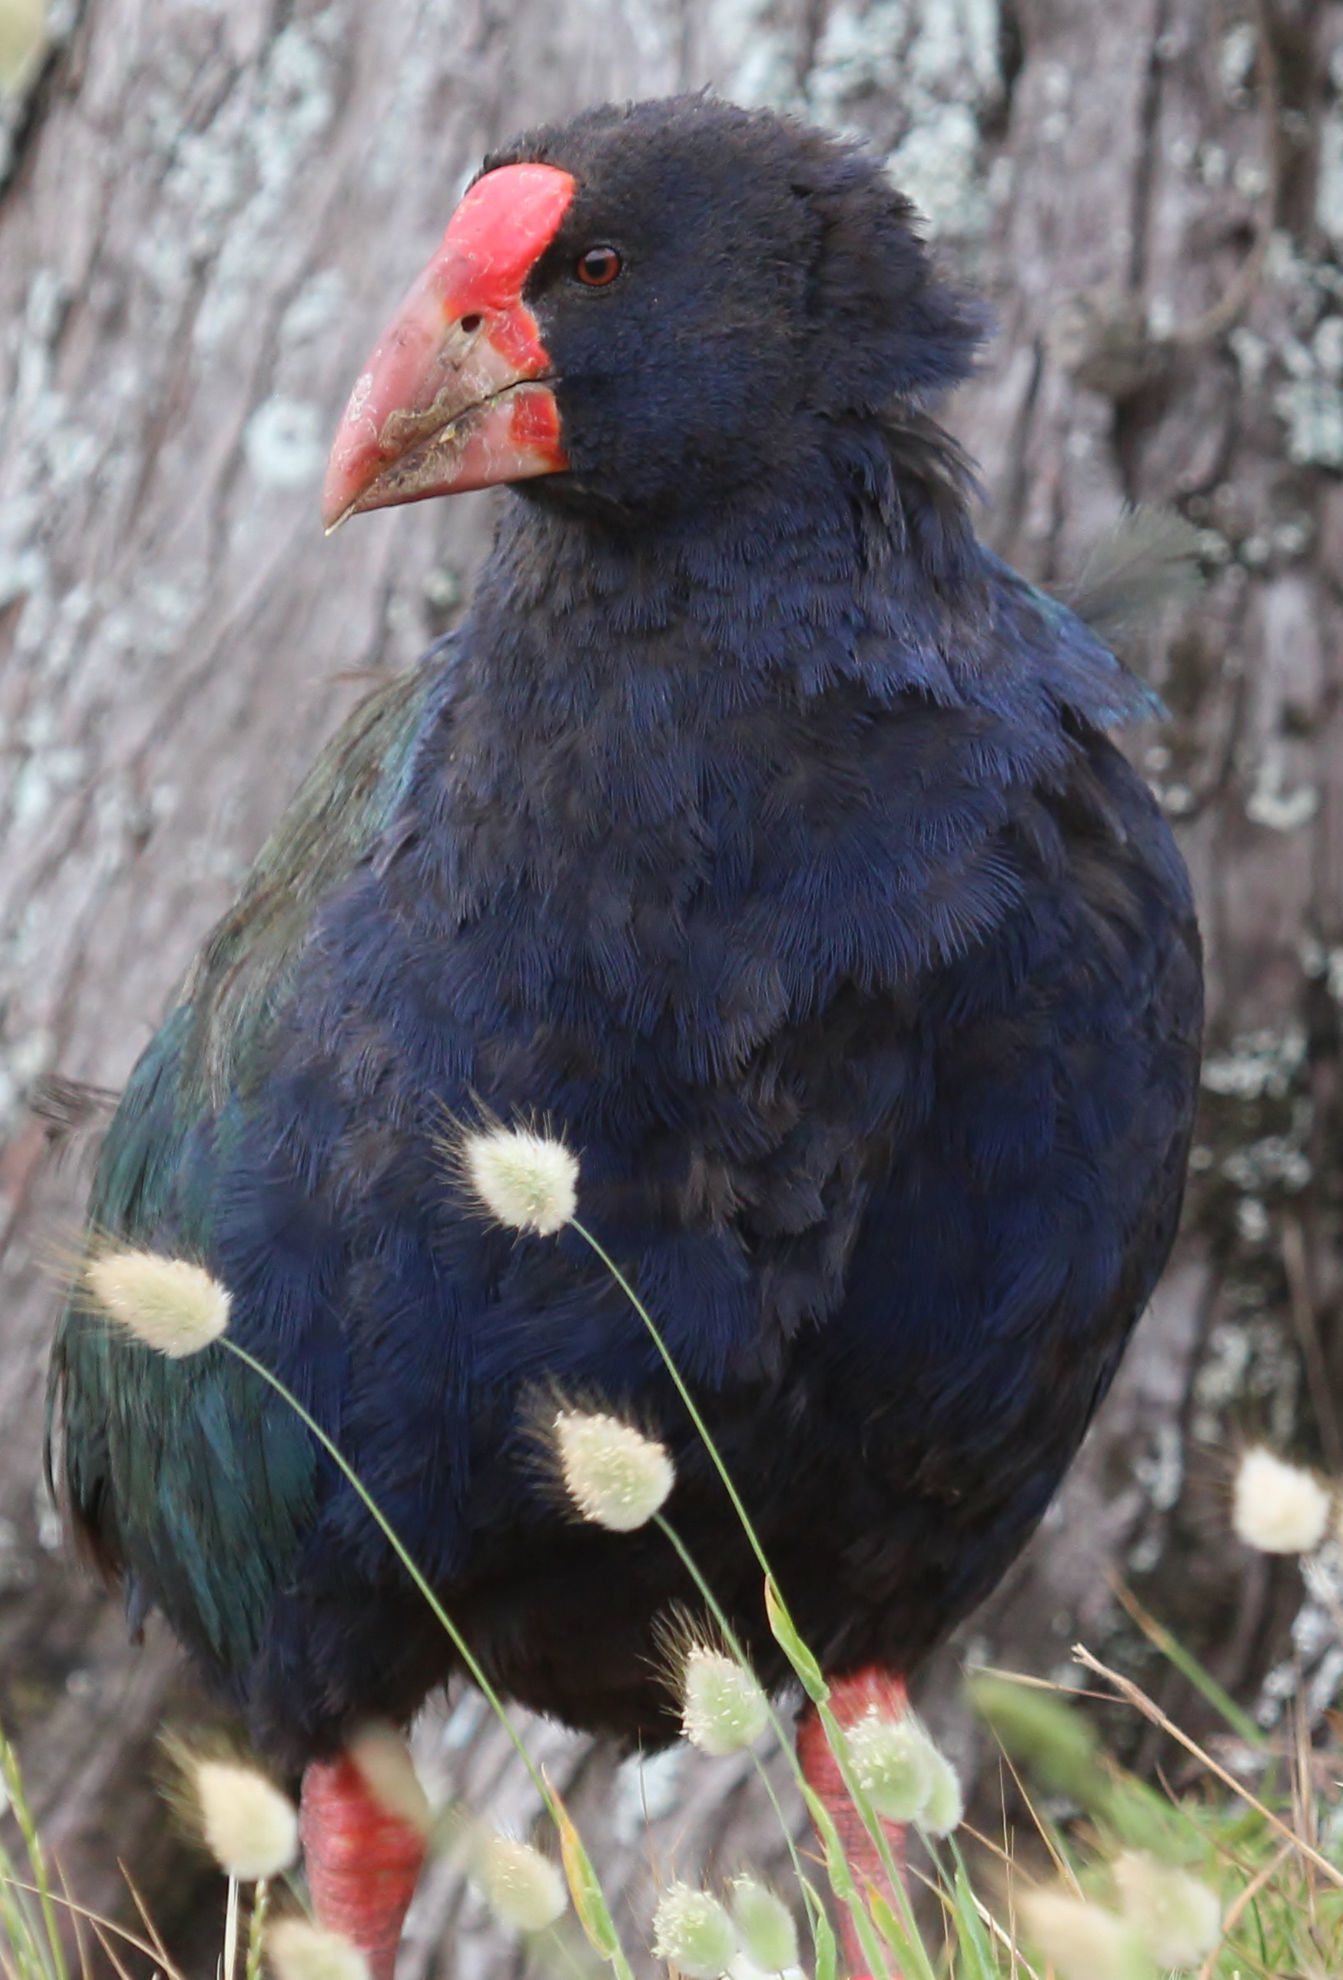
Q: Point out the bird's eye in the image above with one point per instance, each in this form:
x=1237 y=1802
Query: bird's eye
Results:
x=598 y=268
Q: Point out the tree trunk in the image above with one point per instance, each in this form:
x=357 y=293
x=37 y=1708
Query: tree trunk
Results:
x=206 y=217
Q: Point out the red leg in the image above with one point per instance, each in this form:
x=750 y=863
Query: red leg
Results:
x=850 y=1699
x=362 y=1859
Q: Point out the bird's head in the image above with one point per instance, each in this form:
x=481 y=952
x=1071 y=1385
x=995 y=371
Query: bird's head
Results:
x=650 y=306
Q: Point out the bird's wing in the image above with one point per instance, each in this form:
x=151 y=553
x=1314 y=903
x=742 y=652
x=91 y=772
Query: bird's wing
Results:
x=117 y=1403
x=334 y=821
x=1027 y=1205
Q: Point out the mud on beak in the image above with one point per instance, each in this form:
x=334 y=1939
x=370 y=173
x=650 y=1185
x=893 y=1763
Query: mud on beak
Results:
x=455 y=394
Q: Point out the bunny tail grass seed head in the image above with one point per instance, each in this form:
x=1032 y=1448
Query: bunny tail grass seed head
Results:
x=23 y=41
x=1082 y=1941
x=383 y=1759
x=525 y=1180
x=615 y=1476
x=892 y=1761
x=1178 y=1919
x=945 y=1805
x=250 y=1828
x=1278 y=1507
x=723 y=1709
x=765 y=1927
x=523 y=1888
x=297 y=1950
x=694 y=1932
x=166 y=1303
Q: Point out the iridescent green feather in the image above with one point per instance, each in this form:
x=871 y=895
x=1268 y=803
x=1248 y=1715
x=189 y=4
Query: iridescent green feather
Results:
x=170 y=1468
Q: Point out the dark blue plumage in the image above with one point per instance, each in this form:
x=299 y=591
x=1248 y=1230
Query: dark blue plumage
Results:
x=757 y=829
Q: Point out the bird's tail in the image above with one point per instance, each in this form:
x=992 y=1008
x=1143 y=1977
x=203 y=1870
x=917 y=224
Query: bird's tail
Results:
x=1143 y=566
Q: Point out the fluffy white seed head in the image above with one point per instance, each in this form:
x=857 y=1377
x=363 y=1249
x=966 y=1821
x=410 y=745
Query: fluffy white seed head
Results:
x=250 y=1828
x=1177 y=1917
x=525 y=1180
x=382 y=1756
x=893 y=1762
x=615 y=1475
x=23 y=39
x=743 y=1968
x=694 y=1932
x=765 y=1927
x=300 y=1951
x=523 y=1888
x=945 y=1805
x=166 y=1303
x=1278 y=1507
x=1082 y=1941
x=723 y=1708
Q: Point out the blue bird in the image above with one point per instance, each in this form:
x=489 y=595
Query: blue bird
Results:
x=758 y=830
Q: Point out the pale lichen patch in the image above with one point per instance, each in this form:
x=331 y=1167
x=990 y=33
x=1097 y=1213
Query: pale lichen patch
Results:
x=1274 y=1161
x=1253 y=1224
x=317 y=306
x=915 y=79
x=1312 y=409
x=1329 y=177
x=1160 y=1471
x=939 y=65
x=646 y=1788
x=1313 y=1672
x=937 y=165
x=1235 y=60
x=21 y=1063
x=284 y=442
x=1260 y=1064
x=1272 y=802
x=1247 y=1359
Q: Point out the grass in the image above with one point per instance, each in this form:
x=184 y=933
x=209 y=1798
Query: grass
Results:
x=1260 y=1848
x=1139 y=1875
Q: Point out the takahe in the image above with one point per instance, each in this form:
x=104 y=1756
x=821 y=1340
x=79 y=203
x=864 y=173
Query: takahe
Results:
x=759 y=831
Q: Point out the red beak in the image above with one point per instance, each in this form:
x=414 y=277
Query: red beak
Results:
x=452 y=397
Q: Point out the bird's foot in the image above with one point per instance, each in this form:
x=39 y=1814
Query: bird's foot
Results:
x=363 y=1857
x=851 y=1698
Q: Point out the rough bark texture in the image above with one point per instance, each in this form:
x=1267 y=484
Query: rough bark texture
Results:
x=206 y=216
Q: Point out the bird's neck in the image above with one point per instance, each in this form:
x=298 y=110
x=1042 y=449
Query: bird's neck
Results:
x=840 y=568
x=622 y=696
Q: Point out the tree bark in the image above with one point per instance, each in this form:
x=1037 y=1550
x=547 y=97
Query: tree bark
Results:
x=206 y=217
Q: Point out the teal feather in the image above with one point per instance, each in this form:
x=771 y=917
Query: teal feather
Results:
x=127 y=1413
